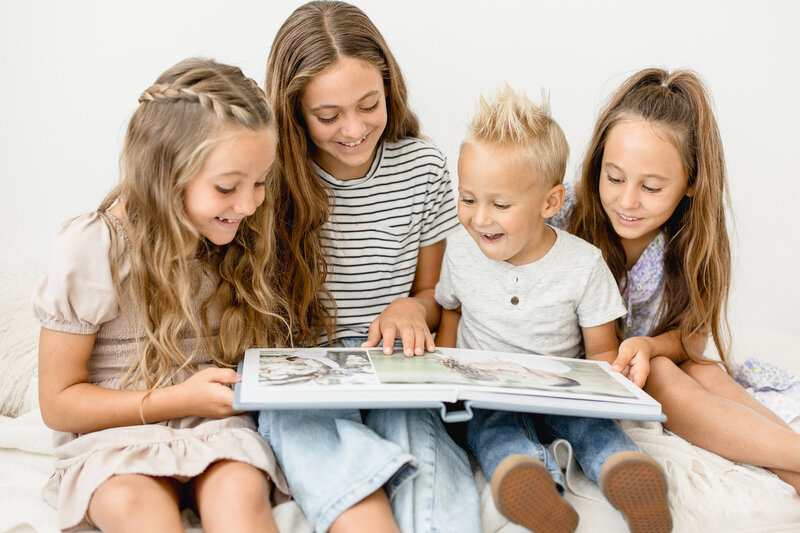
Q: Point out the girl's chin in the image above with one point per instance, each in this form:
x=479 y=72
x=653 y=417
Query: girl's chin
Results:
x=635 y=234
x=626 y=232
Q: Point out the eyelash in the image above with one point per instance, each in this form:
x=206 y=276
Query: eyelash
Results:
x=333 y=118
x=470 y=202
x=617 y=181
x=223 y=190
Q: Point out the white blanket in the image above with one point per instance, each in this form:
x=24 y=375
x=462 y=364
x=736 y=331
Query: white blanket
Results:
x=707 y=493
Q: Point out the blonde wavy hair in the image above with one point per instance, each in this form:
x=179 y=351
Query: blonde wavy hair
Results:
x=512 y=119
x=697 y=259
x=181 y=119
x=308 y=43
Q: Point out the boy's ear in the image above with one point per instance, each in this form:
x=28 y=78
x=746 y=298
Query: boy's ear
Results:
x=553 y=200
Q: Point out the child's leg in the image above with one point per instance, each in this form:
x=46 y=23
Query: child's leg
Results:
x=494 y=435
x=234 y=496
x=373 y=513
x=709 y=409
x=428 y=502
x=633 y=482
x=593 y=440
x=135 y=503
x=527 y=484
x=332 y=460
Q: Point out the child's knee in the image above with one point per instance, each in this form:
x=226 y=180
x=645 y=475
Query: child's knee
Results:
x=239 y=482
x=664 y=376
x=704 y=373
x=124 y=496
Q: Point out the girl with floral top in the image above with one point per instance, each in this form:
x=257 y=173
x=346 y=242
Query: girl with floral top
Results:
x=652 y=197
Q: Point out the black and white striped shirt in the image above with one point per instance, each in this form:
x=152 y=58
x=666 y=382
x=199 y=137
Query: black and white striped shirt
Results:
x=378 y=224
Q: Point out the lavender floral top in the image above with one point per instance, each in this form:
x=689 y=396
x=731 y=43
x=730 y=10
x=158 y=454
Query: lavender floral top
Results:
x=645 y=281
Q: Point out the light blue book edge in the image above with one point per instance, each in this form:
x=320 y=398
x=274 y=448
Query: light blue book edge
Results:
x=460 y=411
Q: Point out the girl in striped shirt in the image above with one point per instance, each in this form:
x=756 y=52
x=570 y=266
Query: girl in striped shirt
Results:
x=363 y=209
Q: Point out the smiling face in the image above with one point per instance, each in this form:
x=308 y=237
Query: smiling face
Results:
x=503 y=205
x=345 y=113
x=642 y=180
x=230 y=184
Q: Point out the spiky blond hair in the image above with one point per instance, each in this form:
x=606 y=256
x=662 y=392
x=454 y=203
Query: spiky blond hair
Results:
x=511 y=119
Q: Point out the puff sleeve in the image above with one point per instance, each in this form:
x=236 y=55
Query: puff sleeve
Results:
x=77 y=295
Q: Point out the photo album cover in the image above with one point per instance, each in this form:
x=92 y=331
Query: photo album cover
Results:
x=453 y=380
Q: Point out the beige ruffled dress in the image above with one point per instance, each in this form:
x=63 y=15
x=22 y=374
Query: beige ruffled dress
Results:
x=77 y=296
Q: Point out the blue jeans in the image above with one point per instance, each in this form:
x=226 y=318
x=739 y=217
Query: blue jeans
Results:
x=494 y=435
x=333 y=459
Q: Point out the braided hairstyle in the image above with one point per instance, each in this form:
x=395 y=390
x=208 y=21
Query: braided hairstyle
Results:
x=181 y=119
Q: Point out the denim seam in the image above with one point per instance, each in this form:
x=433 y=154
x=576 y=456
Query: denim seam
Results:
x=431 y=465
x=358 y=493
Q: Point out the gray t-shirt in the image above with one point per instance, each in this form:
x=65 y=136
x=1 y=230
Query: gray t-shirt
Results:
x=535 y=308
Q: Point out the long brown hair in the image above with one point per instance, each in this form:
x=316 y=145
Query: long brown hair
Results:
x=308 y=43
x=697 y=260
x=180 y=120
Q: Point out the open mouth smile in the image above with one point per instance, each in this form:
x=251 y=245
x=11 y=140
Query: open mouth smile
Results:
x=355 y=143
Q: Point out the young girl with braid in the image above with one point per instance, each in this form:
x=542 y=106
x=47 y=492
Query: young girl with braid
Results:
x=652 y=197
x=149 y=302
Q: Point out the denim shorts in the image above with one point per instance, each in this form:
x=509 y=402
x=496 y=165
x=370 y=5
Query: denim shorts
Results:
x=333 y=459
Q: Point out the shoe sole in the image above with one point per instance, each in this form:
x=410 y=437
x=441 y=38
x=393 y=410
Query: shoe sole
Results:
x=525 y=493
x=635 y=485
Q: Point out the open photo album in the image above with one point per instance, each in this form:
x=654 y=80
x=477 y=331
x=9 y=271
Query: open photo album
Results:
x=451 y=380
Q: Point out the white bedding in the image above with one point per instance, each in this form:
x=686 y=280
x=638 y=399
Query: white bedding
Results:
x=707 y=493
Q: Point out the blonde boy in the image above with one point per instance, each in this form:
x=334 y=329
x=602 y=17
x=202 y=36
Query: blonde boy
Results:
x=511 y=282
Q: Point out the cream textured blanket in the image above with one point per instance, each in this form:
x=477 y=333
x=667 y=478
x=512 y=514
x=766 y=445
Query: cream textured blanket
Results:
x=707 y=493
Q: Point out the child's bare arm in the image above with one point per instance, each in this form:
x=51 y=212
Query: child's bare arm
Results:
x=667 y=345
x=448 y=328
x=411 y=318
x=600 y=342
x=601 y=345
x=69 y=403
x=429 y=266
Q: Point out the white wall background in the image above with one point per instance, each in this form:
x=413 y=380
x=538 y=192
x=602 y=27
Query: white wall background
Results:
x=72 y=71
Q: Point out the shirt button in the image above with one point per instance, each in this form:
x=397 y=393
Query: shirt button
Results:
x=514 y=300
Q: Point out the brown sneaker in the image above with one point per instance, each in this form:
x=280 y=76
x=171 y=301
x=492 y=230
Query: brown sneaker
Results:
x=635 y=484
x=525 y=493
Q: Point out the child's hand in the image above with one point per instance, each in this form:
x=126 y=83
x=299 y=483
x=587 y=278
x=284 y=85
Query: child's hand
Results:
x=207 y=393
x=633 y=359
x=404 y=318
